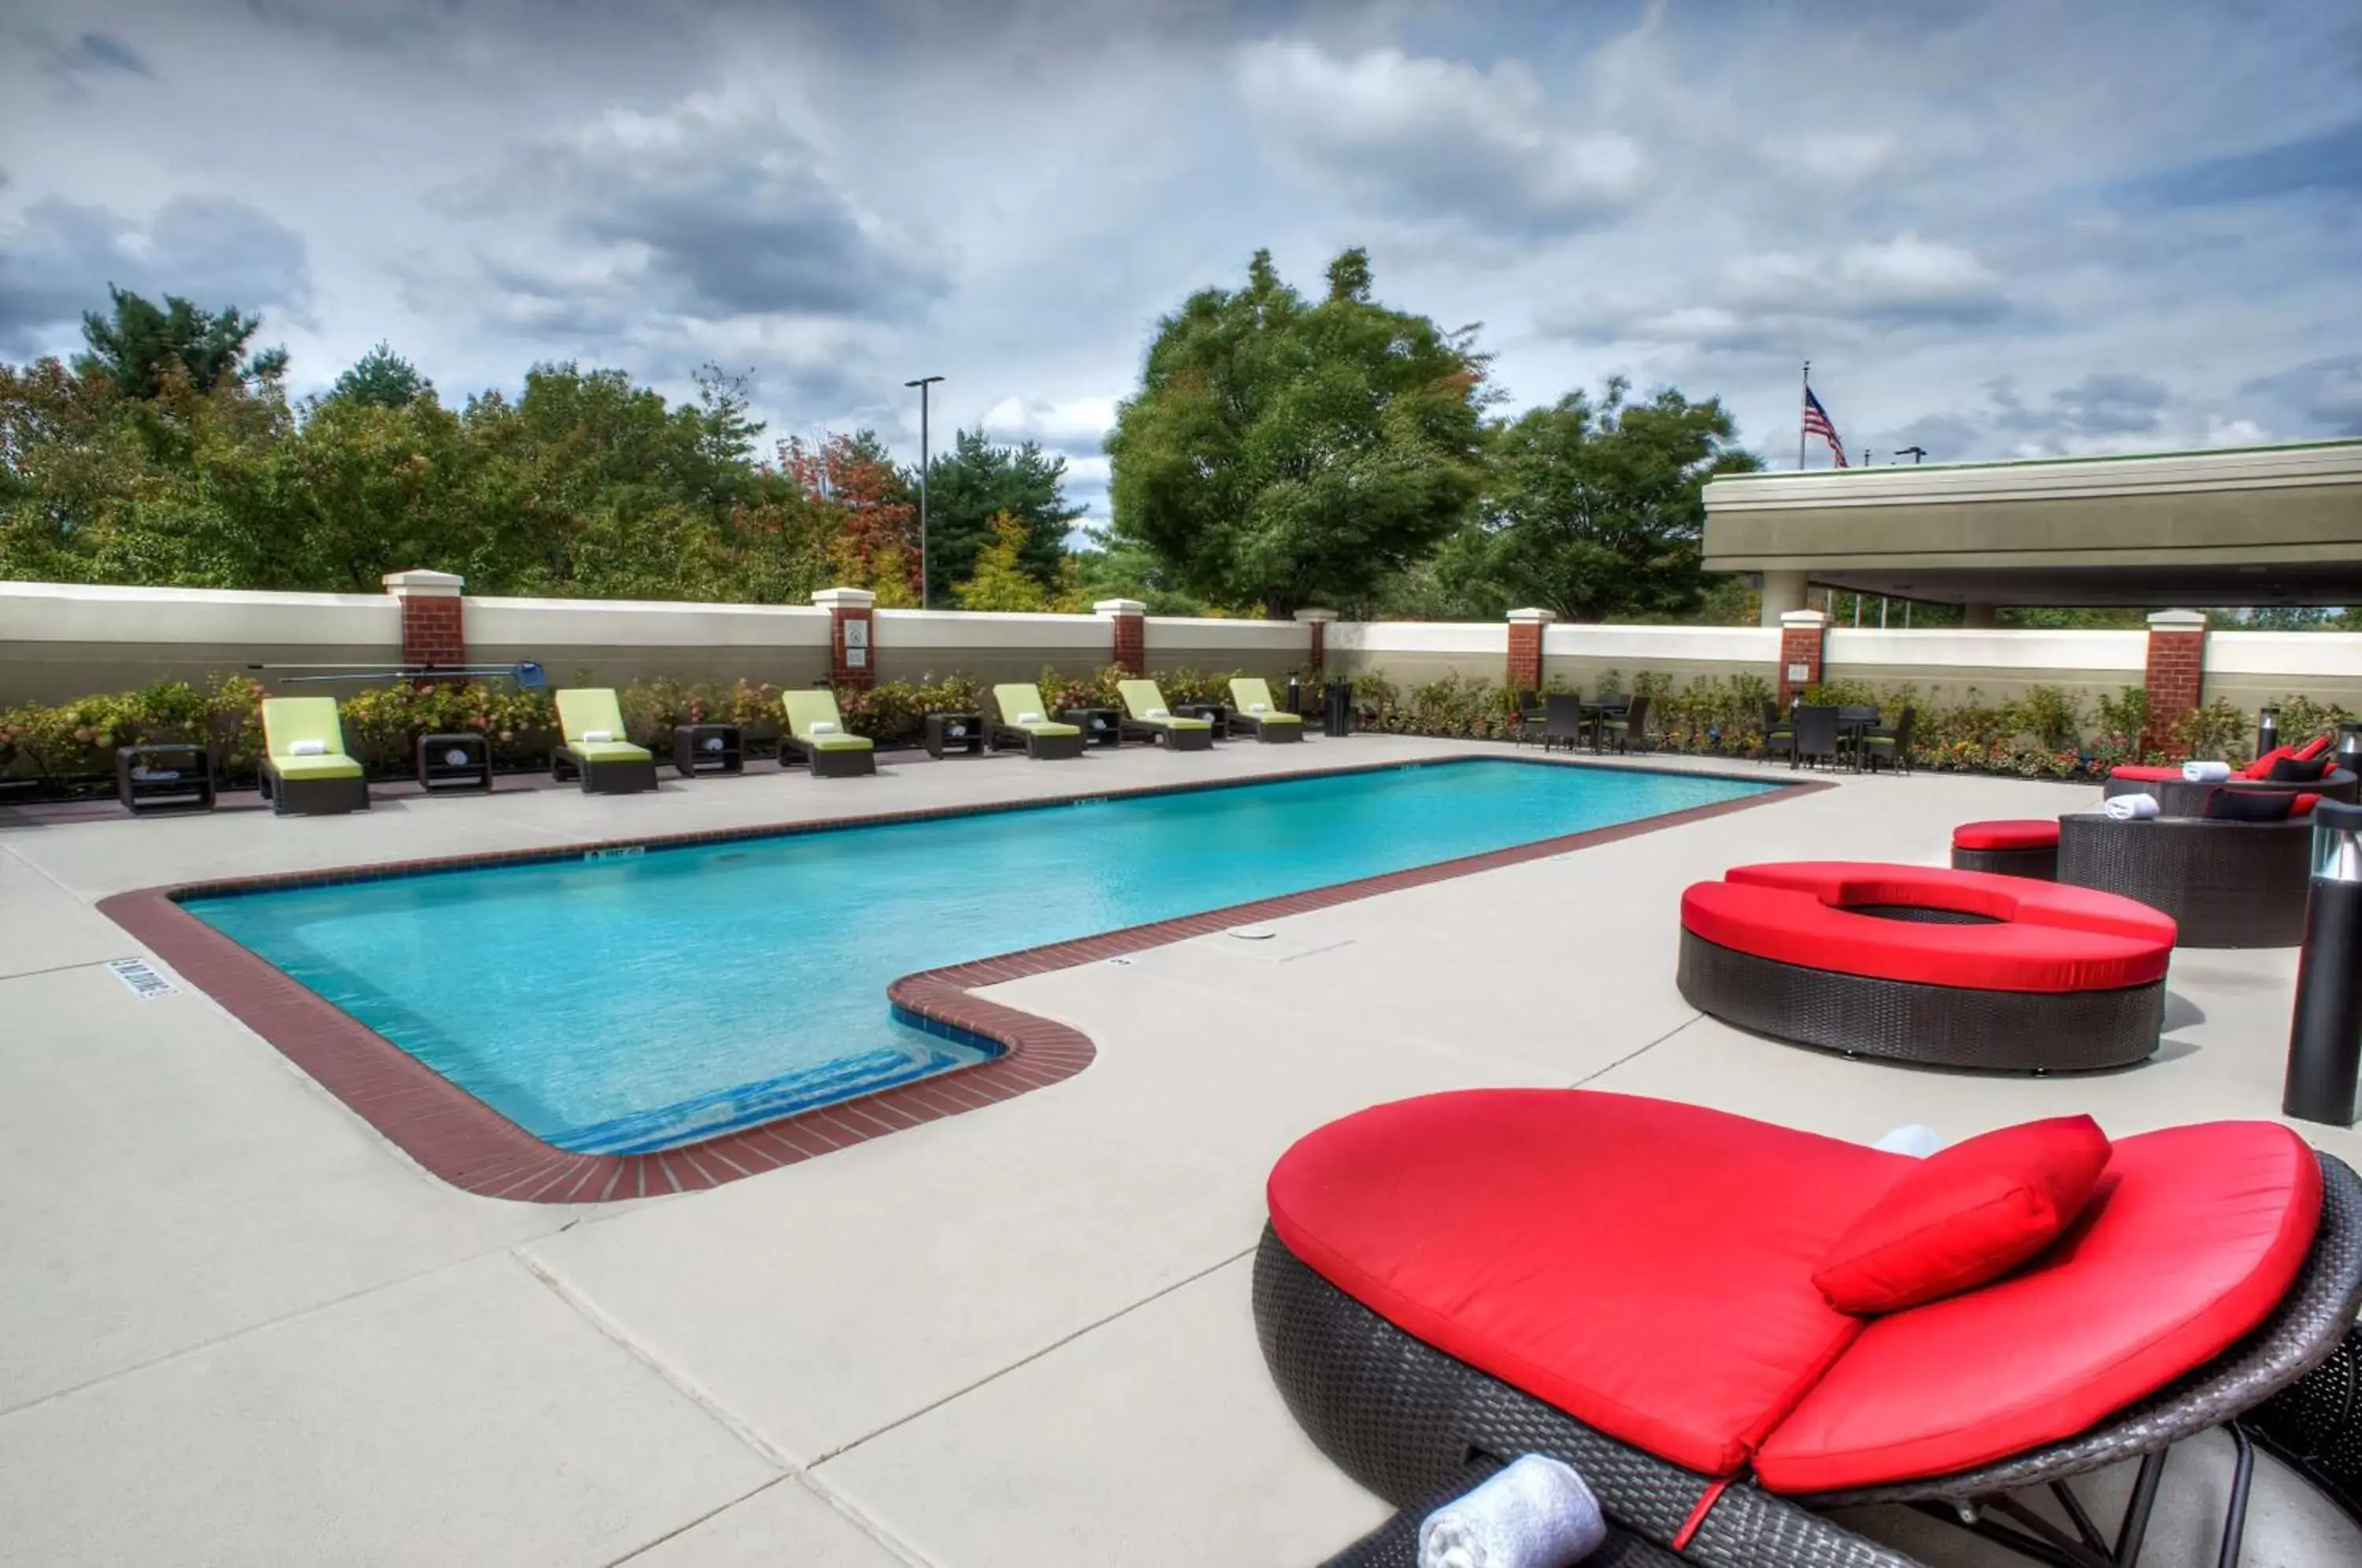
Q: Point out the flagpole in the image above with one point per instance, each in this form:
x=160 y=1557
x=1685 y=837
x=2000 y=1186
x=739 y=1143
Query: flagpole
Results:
x=1800 y=415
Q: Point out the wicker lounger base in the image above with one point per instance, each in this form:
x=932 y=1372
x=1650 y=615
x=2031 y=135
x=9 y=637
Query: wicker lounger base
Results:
x=1948 y=1026
x=1402 y=1418
x=1041 y=748
x=1194 y=738
x=839 y=763
x=314 y=796
x=2042 y=865
x=2225 y=884
x=1269 y=734
x=628 y=777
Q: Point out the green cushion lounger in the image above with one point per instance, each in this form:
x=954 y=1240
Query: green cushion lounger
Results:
x=1146 y=713
x=1025 y=720
x=305 y=772
x=594 y=750
x=816 y=734
x=1251 y=706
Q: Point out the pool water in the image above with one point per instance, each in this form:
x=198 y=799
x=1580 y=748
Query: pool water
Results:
x=625 y=1005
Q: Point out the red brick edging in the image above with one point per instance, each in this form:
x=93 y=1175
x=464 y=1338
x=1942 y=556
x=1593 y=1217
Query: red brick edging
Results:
x=468 y=1144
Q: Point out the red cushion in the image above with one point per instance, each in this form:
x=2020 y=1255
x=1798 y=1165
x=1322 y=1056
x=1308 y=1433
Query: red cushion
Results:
x=1645 y=1266
x=2195 y=1236
x=2262 y=766
x=2302 y=805
x=2032 y=833
x=1966 y=1216
x=2051 y=937
x=2145 y=773
x=2314 y=747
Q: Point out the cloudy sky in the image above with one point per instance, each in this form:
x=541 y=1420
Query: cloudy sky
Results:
x=1995 y=227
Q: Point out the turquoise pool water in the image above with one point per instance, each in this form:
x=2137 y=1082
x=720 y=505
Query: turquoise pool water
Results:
x=619 y=1006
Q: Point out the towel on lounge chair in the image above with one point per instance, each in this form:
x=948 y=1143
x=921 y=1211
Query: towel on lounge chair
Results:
x=308 y=748
x=2130 y=808
x=2206 y=772
x=1535 y=1513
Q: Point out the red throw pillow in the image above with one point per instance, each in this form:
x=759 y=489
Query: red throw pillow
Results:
x=2262 y=766
x=1966 y=1216
x=2315 y=747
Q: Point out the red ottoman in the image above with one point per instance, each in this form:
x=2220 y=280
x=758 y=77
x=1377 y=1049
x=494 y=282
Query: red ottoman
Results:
x=1950 y=968
x=2023 y=847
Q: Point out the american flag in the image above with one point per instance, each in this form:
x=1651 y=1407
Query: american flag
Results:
x=1817 y=423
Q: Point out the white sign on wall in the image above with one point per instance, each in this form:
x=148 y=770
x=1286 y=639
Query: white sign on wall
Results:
x=856 y=658
x=1798 y=674
x=856 y=633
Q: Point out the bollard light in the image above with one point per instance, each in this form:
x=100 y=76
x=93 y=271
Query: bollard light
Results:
x=2325 y=1034
x=2349 y=746
x=2267 y=731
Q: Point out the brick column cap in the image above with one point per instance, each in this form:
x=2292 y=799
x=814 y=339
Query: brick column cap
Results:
x=843 y=598
x=1806 y=620
x=1119 y=607
x=1316 y=617
x=1532 y=617
x=2177 y=620
x=422 y=584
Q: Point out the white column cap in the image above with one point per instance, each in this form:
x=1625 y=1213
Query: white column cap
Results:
x=1532 y=617
x=843 y=598
x=1119 y=607
x=1316 y=617
x=1803 y=618
x=2179 y=621
x=422 y=584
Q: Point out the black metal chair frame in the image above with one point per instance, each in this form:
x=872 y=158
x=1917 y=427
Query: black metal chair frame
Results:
x=1408 y=1421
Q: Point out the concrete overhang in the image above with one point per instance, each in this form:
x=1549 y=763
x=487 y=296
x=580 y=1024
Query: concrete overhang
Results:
x=2235 y=526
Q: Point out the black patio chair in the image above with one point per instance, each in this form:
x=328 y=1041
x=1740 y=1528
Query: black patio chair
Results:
x=1532 y=715
x=1779 y=732
x=1817 y=734
x=1561 y=719
x=1892 y=742
x=1626 y=730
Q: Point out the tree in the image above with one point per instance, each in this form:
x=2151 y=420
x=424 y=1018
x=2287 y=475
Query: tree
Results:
x=136 y=345
x=876 y=542
x=968 y=490
x=1285 y=453
x=1598 y=510
x=380 y=378
x=1001 y=580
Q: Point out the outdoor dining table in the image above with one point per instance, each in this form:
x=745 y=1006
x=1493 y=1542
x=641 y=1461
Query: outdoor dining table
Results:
x=1854 y=721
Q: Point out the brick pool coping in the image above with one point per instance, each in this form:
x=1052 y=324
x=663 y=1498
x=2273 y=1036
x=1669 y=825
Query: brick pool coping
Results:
x=468 y=1144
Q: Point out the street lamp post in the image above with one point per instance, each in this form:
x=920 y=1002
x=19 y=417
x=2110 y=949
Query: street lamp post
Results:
x=923 y=383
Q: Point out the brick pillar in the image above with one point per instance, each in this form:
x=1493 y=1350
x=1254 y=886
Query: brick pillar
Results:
x=1315 y=624
x=852 y=639
x=434 y=616
x=1129 y=619
x=1801 y=634
x=1524 y=672
x=2175 y=672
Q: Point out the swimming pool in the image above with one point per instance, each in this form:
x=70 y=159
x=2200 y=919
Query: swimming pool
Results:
x=623 y=1004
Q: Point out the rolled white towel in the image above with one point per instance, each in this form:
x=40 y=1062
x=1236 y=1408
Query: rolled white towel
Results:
x=308 y=748
x=821 y=727
x=1258 y=707
x=1913 y=1139
x=597 y=735
x=1028 y=718
x=1158 y=713
x=2130 y=808
x=1535 y=1513
x=2206 y=772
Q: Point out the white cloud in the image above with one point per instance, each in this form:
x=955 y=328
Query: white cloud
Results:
x=1076 y=425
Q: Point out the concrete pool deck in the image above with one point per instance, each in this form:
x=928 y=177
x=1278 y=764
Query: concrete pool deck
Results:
x=242 y=1327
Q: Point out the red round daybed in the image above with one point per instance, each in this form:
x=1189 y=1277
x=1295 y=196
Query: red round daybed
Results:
x=1919 y=963
x=1650 y=1291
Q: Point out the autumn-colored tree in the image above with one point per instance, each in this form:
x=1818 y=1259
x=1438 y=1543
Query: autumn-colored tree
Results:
x=876 y=542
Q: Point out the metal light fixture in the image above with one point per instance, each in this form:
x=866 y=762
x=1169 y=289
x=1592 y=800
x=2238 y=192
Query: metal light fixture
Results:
x=923 y=383
x=2349 y=746
x=2325 y=1034
x=2267 y=731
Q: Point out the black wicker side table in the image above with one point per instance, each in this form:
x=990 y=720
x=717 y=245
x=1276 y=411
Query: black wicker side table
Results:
x=169 y=776
x=454 y=763
x=709 y=748
x=955 y=731
x=1100 y=726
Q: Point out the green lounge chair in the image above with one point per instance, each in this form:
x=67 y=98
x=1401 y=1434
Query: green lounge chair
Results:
x=594 y=750
x=1024 y=719
x=816 y=734
x=305 y=772
x=1251 y=707
x=1145 y=714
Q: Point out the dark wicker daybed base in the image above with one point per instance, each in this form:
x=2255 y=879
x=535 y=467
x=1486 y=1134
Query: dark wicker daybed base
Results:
x=627 y=776
x=2225 y=884
x=2042 y=865
x=1041 y=748
x=1193 y=737
x=1405 y=1419
x=312 y=796
x=827 y=762
x=1949 y=1026
x=1268 y=733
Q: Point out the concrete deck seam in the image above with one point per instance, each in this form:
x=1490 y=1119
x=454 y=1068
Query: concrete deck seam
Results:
x=1033 y=1357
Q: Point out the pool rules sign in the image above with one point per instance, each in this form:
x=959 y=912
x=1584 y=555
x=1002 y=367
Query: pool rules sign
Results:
x=856 y=642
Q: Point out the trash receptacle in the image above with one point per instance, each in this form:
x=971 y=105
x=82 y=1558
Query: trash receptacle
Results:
x=2325 y=1034
x=1337 y=708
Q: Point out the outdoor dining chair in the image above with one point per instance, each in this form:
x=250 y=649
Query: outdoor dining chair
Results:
x=1561 y=719
x=1817 y=734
